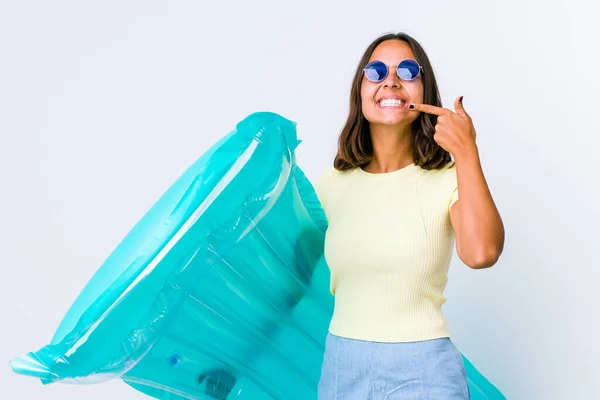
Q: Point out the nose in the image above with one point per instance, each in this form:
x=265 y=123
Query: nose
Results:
x=392 y=79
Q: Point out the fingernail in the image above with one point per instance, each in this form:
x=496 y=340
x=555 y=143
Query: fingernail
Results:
x=412 y=106
x=461 y=97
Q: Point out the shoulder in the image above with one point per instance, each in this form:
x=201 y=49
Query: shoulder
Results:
x=449 y=174
x=330 y=182
x=449 y=185
x=445 y=175
x=331 y=174
x=446 y=171
x=442 y=183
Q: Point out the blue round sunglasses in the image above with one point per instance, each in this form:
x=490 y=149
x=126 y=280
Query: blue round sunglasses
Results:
x=408 y=70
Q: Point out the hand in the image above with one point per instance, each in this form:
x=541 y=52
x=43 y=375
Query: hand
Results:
x=454 y=131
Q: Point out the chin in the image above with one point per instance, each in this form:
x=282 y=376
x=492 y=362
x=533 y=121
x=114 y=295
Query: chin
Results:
x=389 y=117
x=391 y=121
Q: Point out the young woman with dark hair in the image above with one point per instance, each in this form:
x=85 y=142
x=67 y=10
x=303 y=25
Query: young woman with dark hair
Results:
x=392 y=202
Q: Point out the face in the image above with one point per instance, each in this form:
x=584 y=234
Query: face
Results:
x=391 y=52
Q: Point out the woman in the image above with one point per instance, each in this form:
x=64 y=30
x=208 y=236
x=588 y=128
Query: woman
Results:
x=392 y=202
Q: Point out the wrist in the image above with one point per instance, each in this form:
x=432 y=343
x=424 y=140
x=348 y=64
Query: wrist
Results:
x=467 y=155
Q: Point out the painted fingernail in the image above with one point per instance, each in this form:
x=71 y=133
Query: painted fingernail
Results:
x=461 y=97
x=412 y=106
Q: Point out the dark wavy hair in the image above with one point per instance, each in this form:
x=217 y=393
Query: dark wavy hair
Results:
x=355 y=148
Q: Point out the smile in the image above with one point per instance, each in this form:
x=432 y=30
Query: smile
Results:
x=394 y=103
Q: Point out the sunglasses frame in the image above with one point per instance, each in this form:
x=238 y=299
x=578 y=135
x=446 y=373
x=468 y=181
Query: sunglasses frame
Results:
x=387 y=71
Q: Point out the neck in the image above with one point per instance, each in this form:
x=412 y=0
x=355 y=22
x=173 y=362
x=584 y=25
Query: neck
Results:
x=392 y=148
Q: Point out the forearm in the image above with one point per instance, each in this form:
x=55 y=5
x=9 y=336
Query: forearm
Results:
x=479 y=227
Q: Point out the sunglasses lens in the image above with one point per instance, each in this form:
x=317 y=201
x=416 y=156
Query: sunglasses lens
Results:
x=376 y=71
x=408 y=70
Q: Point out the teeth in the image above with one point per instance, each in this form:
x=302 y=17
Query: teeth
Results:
x=391 y=102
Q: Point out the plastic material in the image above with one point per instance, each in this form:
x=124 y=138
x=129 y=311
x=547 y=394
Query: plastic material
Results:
x=219 y=292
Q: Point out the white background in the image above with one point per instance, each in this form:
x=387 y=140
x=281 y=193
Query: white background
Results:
x=104 y=104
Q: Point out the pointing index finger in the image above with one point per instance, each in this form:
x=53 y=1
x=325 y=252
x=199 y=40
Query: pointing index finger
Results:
x=429 y=109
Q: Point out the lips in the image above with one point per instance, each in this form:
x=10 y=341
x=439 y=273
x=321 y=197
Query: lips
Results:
x=392 y=101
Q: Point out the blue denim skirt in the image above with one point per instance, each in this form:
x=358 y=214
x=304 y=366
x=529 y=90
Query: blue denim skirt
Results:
x=362 y=370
